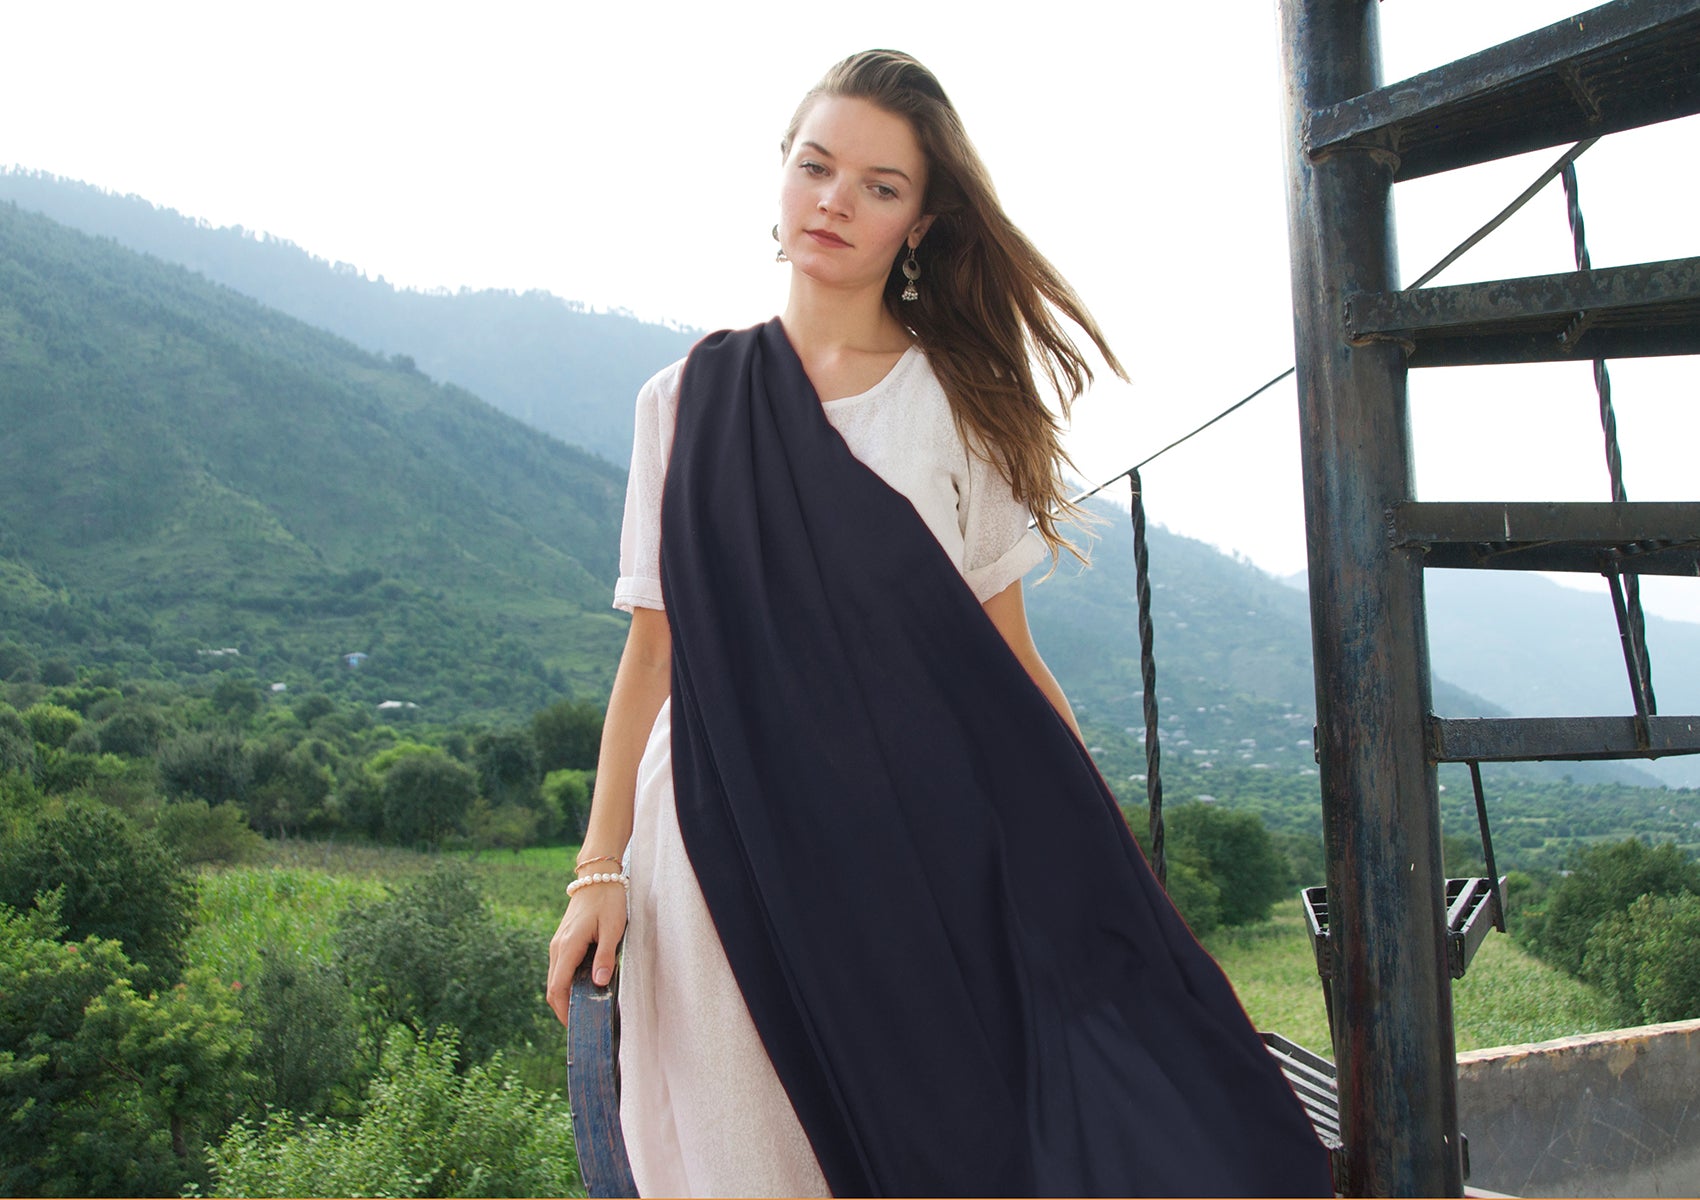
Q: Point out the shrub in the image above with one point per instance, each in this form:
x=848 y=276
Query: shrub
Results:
x=200 y=833
x=426 y=1131
x=431 y=954
x=114 y=880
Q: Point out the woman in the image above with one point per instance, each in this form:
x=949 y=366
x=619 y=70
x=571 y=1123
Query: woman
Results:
x=888 y=931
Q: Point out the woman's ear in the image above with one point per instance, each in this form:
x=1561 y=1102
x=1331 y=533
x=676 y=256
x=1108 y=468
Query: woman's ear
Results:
x=920 y=230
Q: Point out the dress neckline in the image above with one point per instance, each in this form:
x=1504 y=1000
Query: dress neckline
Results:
x=881 y=385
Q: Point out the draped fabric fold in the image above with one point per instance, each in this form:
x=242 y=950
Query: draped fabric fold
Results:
x=967 y=978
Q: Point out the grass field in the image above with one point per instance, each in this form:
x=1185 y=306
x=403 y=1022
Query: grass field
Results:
x=296 y=895
x=1506 y=997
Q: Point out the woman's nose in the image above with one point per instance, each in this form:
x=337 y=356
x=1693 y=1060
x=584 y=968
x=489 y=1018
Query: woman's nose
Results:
x=833 y=201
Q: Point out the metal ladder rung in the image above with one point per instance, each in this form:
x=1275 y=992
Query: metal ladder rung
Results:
x=1638 y=538
x=1613 y=68
x=1637 y=311
x=1566 y=739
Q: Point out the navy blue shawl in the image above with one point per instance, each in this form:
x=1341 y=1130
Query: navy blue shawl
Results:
x=966 y=976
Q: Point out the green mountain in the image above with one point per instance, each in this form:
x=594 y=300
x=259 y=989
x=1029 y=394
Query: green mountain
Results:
x=389 y=530
x=1541 y=649
x=185 y=473
x=551 y=363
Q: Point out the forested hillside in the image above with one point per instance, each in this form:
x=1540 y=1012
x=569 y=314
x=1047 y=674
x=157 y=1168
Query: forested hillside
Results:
x=189 y=480
x=548 y=361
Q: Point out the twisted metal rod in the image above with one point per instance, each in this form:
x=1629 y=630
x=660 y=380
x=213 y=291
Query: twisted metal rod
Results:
x=1148 y=681
x=1634 y=628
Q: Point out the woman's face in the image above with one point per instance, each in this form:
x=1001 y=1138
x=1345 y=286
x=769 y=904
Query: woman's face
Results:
x=850 y=193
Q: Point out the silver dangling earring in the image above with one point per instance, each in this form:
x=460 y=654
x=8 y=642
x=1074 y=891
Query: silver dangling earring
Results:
x=779 y=255
x=911 y=272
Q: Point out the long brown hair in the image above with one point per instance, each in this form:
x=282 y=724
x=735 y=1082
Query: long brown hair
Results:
x=988 y=299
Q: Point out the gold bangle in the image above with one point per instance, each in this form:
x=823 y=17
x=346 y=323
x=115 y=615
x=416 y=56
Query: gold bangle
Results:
x=581 y=865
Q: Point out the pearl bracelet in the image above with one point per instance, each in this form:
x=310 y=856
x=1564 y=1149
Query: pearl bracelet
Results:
x=622 y=879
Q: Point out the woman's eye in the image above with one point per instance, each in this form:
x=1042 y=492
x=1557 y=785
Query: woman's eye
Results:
x=885 y=191
x=814 y=168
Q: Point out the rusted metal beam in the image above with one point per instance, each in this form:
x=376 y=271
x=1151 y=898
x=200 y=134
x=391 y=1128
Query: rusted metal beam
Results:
x=1640 y=538
x=1638 y=311
x=1560 y=739
x=1615 y=67
x=1391 y=991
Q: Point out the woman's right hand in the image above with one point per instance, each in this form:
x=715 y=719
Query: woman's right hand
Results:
x=596 y=915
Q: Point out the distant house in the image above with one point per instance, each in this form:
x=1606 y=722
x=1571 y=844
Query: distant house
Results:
x=280 y=687
x=395 y=704
x=357 y=659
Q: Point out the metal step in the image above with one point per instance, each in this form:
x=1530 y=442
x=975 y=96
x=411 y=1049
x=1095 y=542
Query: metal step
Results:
x=1313 y=1081
x=1637 y=538
x=1565 y=739
x=1616 y=67
x=1639 y=311
x=1472 y=909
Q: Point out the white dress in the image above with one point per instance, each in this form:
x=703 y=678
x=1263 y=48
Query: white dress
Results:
x=702 y=1111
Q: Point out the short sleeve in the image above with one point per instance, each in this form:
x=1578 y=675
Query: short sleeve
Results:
x=997 y=546
x=639 y=585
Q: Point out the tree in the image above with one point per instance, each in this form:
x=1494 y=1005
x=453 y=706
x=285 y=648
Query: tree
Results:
x=105 y=1090
x=197 y=832
x=1605 y=880
x=135 y=730
x=566 y=798
x=58 y=672
x=216 y=767
x=568 y=734
x=289 y=788
x=51 y=724
x=1193 y=892
x=425 y=798
x=237 y=698
x=1236 y=853
x=306 y=1034
x=1648 y=957
x=17 y=744
x=506 y=761
x=431 y=955
x=113 y=880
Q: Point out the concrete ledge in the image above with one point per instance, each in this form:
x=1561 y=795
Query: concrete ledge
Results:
x=1603 y=1114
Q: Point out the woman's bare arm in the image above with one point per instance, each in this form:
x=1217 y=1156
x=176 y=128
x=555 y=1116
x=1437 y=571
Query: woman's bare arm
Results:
x=597 y=914
x=1008 y=611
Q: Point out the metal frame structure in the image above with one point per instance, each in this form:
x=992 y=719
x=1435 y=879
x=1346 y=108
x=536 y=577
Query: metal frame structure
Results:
x=1390 y=935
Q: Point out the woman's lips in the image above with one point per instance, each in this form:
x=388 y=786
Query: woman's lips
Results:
x=826 y=237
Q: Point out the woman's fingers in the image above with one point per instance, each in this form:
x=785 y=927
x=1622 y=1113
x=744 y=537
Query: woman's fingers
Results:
x=566 y=951
x=601 y=920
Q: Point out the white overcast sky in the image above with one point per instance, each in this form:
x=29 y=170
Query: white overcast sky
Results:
x=624 y=154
